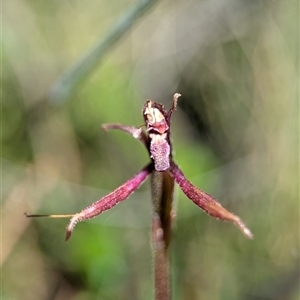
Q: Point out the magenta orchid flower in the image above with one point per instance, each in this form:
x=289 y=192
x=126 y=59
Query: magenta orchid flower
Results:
x=157 y=141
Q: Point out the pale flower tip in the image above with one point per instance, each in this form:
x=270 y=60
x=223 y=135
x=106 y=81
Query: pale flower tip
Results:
x=244 y=229
x=248 y=233
x=104 y=127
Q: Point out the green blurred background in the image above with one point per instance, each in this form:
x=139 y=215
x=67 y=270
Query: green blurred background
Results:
x=235 y=136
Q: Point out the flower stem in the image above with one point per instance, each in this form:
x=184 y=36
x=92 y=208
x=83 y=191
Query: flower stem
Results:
x=162 y=190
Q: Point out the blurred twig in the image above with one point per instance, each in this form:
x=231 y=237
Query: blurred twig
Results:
x=66 y=84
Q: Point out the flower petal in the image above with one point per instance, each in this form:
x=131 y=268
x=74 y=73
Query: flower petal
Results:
x=110 y=200
x=205 y=201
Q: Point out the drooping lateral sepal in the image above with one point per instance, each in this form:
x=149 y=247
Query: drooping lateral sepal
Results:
x=110 y=200
x=205 y=201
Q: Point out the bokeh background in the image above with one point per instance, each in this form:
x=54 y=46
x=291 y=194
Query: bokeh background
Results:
x=235 y=136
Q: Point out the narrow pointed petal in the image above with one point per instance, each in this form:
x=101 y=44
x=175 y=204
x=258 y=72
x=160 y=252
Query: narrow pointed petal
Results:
x=136 y=132
x=206 y=201
x=110 y=200
x=174 y=106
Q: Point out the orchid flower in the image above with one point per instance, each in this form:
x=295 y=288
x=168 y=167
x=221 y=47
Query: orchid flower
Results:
x=164 y=173
x=156 y=139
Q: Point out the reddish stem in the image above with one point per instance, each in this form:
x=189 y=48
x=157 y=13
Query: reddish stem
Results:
x=162 y=189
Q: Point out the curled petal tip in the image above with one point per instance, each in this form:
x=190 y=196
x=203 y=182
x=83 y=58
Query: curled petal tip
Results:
x=69 y=231
x=71 y=226
x=68 y=235
x=248 y=233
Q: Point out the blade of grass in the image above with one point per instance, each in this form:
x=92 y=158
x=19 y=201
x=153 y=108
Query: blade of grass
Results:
x=77 y=73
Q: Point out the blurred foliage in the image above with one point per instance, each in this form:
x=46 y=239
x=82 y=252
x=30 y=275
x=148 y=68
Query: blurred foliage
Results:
x=235 y=135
